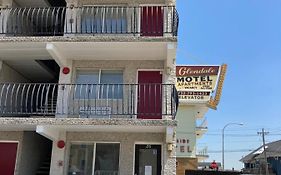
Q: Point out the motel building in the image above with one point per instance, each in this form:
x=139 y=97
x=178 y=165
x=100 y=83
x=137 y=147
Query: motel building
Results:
x=199 y=89
x=87 y=87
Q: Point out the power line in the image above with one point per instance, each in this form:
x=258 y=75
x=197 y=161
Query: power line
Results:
x=231 y=151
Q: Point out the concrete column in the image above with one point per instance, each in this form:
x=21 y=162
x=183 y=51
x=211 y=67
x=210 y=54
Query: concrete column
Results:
x=169 y=161
x=72 y=18
x=58 y=156
x=170 y=2
x=64 y=91
x=126 y=155
x=169 y=152
x=169 y=75
x=4 y=15
x=1 y=64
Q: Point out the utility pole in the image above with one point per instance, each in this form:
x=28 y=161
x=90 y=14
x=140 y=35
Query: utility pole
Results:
x=263 y=133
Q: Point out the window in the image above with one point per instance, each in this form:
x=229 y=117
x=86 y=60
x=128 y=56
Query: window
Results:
x=102 y=84
x=81 y=159
x=105 y=157
x=99 y=19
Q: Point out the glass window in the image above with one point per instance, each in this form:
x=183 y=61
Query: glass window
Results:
x=111 y=81
x=81 y=160
x=97 y=19
x=107 y=159
x=87 y=87
x=99 y=84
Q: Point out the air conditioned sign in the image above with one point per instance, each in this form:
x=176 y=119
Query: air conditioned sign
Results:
x=196 y=83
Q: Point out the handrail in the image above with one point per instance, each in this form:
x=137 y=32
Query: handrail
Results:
x=151 y=101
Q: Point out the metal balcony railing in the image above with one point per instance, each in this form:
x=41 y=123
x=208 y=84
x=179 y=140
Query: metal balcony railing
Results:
x=93 y=20
x=146 y=101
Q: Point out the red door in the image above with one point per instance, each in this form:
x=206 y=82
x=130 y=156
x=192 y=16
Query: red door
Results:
x=150 y=95
x=8 y=155
x=152 y=21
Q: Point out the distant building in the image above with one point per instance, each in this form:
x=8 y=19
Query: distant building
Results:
x=254 y=162
x=199 y=88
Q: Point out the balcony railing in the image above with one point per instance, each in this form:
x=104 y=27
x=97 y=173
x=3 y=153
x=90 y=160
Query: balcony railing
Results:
x=145 y=101
x=91 y=20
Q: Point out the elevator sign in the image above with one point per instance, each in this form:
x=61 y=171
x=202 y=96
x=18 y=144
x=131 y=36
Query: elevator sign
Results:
x=196 y=83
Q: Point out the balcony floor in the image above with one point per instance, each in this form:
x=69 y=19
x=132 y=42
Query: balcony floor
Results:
x=87 y=125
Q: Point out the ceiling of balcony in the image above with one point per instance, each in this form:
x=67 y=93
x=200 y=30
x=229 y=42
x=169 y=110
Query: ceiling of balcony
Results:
x=32 y=3
x=22 y=57
x=39 y=3
x=31 y=70
x=112 y=50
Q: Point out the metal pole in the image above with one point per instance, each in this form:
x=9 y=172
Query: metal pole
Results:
x=223 y=140
x=264 y=151
x=223 y=148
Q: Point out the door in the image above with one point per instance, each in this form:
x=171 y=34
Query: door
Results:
x=149 y=95
x=148 y=160
x=152 y=21
x=8 y=155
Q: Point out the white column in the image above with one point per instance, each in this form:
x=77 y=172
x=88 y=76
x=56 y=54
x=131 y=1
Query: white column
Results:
x=58 y=156
x=169 y=152
x=169 y=76
x=4 y=15
x=64 y=91
x=72 y=18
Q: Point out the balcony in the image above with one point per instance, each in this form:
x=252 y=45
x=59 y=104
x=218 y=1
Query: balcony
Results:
x=142 y=101
x=145 y=21
x=201 y=129
x=202 y=154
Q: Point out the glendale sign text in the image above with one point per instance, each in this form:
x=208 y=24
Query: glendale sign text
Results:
x=196 y=83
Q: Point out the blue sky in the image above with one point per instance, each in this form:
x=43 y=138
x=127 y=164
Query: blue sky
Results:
x=246 y=35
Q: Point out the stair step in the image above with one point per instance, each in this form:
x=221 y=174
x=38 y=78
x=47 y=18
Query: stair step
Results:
x=44 y=168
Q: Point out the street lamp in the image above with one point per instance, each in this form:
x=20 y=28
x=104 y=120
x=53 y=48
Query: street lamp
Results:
x=240 y=124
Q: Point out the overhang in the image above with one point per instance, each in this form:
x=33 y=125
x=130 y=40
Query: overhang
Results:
x=87 y=125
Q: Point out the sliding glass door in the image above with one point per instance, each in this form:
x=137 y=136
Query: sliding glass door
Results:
x=94 y=159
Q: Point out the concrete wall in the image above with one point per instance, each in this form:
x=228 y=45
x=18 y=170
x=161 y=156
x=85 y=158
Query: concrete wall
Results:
x=129 y=67
x=127 y=143
x=186 y=164
x=35 y=150
x=186 y=130
x=14 y=137
x=8 y=74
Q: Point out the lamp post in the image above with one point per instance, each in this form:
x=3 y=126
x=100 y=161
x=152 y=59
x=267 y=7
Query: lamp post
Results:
x=240 y=124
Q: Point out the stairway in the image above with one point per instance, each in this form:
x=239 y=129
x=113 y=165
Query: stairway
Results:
x=48 y=109
x=44 y=168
